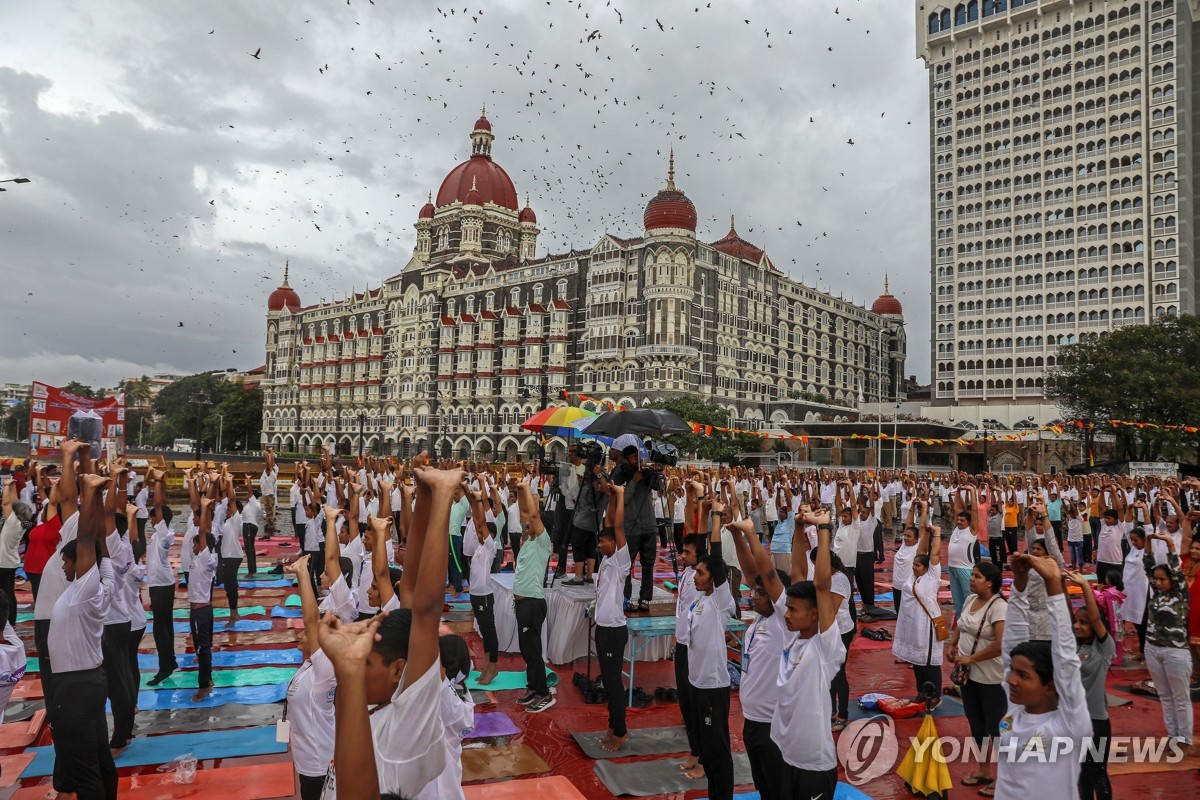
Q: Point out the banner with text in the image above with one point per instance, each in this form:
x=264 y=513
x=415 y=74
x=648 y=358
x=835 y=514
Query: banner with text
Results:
x=50 y=412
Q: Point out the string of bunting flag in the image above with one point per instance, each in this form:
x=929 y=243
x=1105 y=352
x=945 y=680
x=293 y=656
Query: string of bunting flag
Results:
x=1060 y=429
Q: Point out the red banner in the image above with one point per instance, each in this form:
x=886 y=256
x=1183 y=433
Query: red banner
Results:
x=50 y=411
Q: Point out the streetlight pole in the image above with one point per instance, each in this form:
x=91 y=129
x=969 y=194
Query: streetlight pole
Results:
x=220 y=432
x=12 y=180
x=362 y=421
x=879 y=396
x=141 y=424
x=200 y=399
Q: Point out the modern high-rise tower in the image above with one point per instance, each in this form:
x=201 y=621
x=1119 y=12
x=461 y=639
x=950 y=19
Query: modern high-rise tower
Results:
x=1061 y=185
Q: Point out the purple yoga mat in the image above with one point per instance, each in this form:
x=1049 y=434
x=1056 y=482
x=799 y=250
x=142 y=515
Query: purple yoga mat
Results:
x=490 y=724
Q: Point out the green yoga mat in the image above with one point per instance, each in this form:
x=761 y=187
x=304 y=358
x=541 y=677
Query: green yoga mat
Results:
x=293 y=601
x=507 y=680
x=218 y=613
x=224 y=678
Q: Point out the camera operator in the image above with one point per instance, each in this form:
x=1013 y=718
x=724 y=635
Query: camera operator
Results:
x=567 y=487
x=585 y=522
x=640 y=522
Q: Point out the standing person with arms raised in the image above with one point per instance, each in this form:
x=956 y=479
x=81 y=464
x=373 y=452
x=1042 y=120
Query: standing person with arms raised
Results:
x=160 y=577
x=811 y=655
x=529 y=594
x=268 y=484
x=200 y=583
x=1167 y=654
x=309 y=710
x=252 y=522
x=916 y=639
x=686 y=595
x=707 y=658
x=1096 y=649
x=480 y=548
x=612 y=629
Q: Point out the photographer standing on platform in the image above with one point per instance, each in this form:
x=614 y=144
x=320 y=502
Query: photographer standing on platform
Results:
x=590 y=502
x=564 y=508
x=640 y=523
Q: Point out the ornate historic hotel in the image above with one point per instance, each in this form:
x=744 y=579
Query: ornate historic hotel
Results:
x=477 y=332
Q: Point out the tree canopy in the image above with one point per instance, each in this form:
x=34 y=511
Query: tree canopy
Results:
x=177 y=409
x=720 y=446
x=1139 y=373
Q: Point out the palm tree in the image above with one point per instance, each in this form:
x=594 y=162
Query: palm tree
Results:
x=137 y=392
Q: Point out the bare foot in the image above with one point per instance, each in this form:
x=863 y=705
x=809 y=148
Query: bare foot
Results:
x=688 y=763
x=614 y=744
x=200 y=694
x=694 y=774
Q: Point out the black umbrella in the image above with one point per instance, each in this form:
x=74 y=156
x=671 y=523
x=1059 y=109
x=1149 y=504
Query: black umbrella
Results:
x=641 y=421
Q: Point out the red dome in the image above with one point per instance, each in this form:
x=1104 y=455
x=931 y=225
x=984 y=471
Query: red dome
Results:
x=887 y=305
x=527 y=215
x=490 y=180
x=426 y=211
x=482 y=124
x=284 y=297
x=736 y=246
x=670 y=208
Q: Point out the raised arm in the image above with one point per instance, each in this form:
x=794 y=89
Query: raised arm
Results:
x=423 y=651
x=615 y=513
x=333 y=547
x=308 y=600
x=379 y=561
x=827 y=601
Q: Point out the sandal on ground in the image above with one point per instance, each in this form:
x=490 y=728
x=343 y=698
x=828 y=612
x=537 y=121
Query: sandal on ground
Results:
x=988 y=791
x=975 y=780
x=839 y=725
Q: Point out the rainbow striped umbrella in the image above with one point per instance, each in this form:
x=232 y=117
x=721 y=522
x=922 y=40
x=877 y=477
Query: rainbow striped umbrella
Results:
x=557 y=421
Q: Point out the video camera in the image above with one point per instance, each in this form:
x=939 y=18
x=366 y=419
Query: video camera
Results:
x=591 y=453
x=547 y=467
x=662 y=453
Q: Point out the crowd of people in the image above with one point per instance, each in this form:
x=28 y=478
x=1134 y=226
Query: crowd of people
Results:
x=379 y=706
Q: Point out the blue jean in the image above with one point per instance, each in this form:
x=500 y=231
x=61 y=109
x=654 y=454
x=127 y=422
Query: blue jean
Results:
x=1076 y=553
x=960 y=587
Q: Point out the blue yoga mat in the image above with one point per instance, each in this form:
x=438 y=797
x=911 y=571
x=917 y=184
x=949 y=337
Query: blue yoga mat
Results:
x=241 y=626
x=229 y=658
x=182 y=698
x=879 y=596
x=281 y=583
x=150 y=750
x=844 y=791
x=283 y=612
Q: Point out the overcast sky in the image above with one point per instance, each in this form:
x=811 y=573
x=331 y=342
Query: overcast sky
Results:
x=172 y=173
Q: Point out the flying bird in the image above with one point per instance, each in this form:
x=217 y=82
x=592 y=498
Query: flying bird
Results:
x=255 y=54
x=660 y=25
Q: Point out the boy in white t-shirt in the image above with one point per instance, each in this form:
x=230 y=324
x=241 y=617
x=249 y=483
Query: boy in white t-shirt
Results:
x=390 y=738
x=479 y=545
x=200 y=583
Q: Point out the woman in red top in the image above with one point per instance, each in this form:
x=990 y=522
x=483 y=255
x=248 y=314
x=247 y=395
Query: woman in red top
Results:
x=43 y=541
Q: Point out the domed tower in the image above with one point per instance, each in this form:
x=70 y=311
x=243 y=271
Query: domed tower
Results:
x=282 y=351
x=283 y=298
x=529 y=232
x=891 y=314
x=474 y=215
x=666 y=350
x=670 y=212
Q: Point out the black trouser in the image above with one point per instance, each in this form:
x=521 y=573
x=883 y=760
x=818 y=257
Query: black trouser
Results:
x=984 y=705
x=1093 y=771
x=298 y=528
x=766 y=762
x=1010 y=540
x=202 y=636
x=661 y=527
x=316 y=565
x=531 y=615
x=35 y=582
x=610 y=652
x=135 y=672
x=1057 y=525
x=311 y=786
x=711 y=712
x=864 y=576
x=8 y=585
x=139 y=547
x=162 y=607
x=926 y=674
x=684 y=690
x=41 y=631
x=808 y=784
x=484 y=608
x=249 y=535
x=999 y=553
x=562 y=537
x=839 y=687
x=1089 y=540
x=677 y=535
x=80 y=731
x=229 y=577
x=121 y=692
x=1102 y=569
x=641 y=545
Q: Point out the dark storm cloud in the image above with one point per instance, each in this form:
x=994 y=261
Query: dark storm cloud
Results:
x=173 y=173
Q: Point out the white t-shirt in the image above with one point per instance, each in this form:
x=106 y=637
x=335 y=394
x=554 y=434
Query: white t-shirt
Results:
x=231 y=537
x=133 y=598
x=610 y=589
x=120 y=556
x=845 y=543
x=12 y=665
x=341 y=601
x=458 y=718
x=310 y=696
x=200 y=577
x=185 y=548
x=54 y=580
x=707 y=656
x=409 y=738
x=902 y=565
x=142 y=498
x=314 y=534
x=77 y=622
x=1108 y=548
x=252 y=512
x=482 y=554
x=684 y=598
x=296 y=500
x=800 y=722
x=841 y=586
x=10 y=540
x=679 y=510
x=760 y=663
x=960 y=553
x=158 y=556
x=267 y=483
